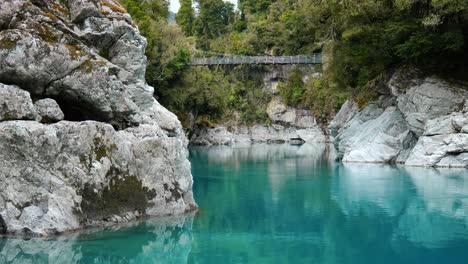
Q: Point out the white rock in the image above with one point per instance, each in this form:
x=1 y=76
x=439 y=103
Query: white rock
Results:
x=433 y=98
x=374 y=135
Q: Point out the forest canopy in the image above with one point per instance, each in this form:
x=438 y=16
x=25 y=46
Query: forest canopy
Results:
x=361 y=39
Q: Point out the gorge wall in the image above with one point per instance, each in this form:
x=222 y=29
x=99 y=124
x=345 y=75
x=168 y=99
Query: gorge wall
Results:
x=417 y=121
x=286 y=122
x=82 y=140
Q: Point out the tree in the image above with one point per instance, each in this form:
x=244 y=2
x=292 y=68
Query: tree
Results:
x=213 y=18
x=185 y=17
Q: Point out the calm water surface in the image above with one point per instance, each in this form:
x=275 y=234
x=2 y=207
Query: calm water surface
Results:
x=285 y=204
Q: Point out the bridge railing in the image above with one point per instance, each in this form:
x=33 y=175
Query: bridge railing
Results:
x=234 y=60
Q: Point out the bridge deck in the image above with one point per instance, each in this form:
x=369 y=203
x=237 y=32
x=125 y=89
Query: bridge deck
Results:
x=301 y=59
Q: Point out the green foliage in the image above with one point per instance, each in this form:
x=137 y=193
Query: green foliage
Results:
x=213 y=19
x=361 y=39
x=292 y=91
x=168 y=50
x=213 y=95
x=185 y=17
x=254 y=6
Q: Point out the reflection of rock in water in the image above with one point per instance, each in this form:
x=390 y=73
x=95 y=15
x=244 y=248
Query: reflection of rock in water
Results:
x=439 y=211
x=153 y=241
x=430 y=206
x=254 y=152
x=359 y=189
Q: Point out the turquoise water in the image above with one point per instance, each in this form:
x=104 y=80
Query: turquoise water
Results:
x=285 y=204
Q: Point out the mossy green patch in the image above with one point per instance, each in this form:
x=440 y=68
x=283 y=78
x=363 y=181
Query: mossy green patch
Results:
x=75 y=50
x=124 y=193
x=104 y=53
x=6 y=43
x=46 y=33
x=365 y=96
x=114 y=7
x=102 y=148
x=8 y=116
x=89 y=65
x=61 y=9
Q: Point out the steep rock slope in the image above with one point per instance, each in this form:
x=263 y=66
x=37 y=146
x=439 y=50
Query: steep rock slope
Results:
x=419 y=121
x=117 y=156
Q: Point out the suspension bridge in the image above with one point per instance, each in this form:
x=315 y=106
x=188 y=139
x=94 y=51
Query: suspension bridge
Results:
x=239 y=60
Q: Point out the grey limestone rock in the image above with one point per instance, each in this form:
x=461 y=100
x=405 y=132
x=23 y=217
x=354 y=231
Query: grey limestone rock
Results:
x=15 y=103
x=422 y=123
x=83 y=61
x=376 y=134
x=433 y=98
x=48 y=110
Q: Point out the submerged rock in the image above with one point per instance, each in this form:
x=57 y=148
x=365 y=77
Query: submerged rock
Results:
x=119 y=154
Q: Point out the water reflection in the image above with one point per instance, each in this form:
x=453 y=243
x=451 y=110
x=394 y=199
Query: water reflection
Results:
x=166 y=240
x=286 y=204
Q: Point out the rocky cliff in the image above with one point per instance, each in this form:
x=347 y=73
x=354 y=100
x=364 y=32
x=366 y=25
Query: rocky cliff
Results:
x=82 y=140
x=286 y=122
x=418 y=120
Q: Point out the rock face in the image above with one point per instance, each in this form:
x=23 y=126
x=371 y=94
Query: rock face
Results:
x=376 y=134
x=246 y=135
x=420 y=123
x=118 y=156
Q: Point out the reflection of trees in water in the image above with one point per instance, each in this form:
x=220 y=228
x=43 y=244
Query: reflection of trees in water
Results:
x=279 y=206
x=165 y=240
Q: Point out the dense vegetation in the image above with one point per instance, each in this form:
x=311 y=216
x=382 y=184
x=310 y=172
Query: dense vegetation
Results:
x=360 y=38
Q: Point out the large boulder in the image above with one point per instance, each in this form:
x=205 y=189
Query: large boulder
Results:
x=60 y=176
x=444 y=143
x=376 y=134
x=427 y=113
x=432 y=98
x=118 y=156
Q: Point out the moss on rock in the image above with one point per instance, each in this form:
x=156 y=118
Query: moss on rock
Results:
x=124 y=194
x=102 y=148
x=6 y=43
x=114 y=7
